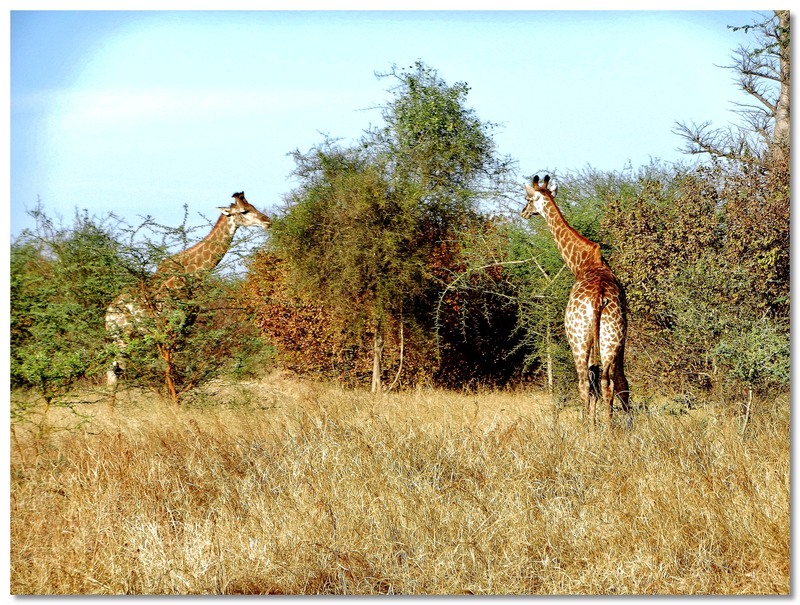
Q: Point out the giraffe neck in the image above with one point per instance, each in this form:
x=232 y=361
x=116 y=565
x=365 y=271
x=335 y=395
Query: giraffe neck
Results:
x=203 y=256
x=578 y=253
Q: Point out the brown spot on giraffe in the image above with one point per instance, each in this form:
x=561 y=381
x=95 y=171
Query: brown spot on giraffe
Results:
x=596 y=316
x=172 y=274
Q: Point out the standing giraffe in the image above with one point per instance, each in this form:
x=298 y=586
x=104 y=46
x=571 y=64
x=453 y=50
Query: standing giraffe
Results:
x=173 y=273
x=595 y=315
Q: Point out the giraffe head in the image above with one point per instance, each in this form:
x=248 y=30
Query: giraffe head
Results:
x=537 y=196
x=244 y=214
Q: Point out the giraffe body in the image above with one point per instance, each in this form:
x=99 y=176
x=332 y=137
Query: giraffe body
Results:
x=174 y=275
x=595 y=319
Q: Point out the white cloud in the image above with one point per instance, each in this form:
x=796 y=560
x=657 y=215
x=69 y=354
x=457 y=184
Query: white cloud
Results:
x=98 y=108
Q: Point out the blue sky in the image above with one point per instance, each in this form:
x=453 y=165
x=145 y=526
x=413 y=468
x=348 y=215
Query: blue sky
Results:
x=140 y=113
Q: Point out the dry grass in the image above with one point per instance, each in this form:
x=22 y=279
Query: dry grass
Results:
x=285 y=487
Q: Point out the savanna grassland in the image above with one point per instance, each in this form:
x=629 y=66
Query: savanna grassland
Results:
x=400 y=259
x=290 y=487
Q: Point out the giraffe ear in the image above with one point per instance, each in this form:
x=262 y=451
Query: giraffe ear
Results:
x=528 y=189
x=225 y=210
x=554 y=189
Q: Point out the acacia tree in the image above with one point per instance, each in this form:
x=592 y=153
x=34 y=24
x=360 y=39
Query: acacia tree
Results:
x=763 y=72
x=347 y=239
x=188 y=333
x=61 y=277
x=360 y=230
x=437 y=148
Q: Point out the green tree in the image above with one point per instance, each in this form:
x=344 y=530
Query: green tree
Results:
x=438 y=149
x=61 y=277
x=443 y=157
x=348 y=238
x=360 y=231
x=541 y=288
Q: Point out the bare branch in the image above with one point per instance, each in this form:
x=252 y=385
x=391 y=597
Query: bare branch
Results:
x=762 y=72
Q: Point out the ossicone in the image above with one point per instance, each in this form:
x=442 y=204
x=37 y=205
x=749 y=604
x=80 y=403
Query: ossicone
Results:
x=545 y=184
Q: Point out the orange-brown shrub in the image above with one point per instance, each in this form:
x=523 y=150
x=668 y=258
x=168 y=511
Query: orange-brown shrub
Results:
x=463 y=339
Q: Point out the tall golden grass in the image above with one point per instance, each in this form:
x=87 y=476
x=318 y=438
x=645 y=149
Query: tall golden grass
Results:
x=285 y=487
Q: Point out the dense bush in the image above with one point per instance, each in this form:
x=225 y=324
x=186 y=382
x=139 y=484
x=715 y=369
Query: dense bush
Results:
x=390 y=260
x=704 y=257
x=63 y=278
x=457 y=337
x=369 y=236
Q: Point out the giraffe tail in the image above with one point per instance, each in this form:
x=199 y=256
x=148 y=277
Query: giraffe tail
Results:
x=594 y=379
x=594 y=366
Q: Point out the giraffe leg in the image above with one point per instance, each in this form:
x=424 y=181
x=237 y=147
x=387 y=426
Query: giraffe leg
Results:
x=595 y=391
x=621 y=387
x=585 y=392
x=118 y=364
x=117 y=368
x=614 y=385
x=593 y=408
x=607 y=392
x=581 y=335
x=111 y=375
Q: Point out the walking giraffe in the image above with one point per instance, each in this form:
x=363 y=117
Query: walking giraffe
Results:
x=596 y=311
x=172 y=274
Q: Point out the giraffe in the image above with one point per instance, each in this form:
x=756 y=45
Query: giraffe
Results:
x=595 y=317
x=174 y=274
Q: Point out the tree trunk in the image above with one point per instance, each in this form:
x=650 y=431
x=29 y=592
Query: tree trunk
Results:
x=377 y=366
x=780 y=139
x=169 y=373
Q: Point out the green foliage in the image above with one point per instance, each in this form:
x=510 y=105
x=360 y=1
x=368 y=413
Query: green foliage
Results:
x=704 y=256
x=366 y=231
x=49 y=370
x=348 y=237
x=757 y=357
x=61 y=278
x=757 y=234
x=667 y=226
x=191 y=334
x=438 y=147
x=542 y=282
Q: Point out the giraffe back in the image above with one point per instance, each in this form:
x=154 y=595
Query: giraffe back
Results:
x=596 y=314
